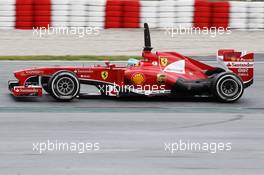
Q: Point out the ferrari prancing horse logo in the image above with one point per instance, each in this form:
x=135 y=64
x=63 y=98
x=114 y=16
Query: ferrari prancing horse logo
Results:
x=163 y=61
x=104 y=75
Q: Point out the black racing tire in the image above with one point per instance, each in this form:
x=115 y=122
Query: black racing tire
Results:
x=64 y=86
x=227 y=87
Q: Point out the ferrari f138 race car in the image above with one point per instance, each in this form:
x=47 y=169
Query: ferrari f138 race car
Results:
x=156 y=74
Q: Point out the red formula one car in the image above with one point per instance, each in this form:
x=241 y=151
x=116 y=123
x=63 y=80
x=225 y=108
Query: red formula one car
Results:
x=157 y=74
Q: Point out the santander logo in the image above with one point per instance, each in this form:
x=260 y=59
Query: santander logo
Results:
x=240 y=64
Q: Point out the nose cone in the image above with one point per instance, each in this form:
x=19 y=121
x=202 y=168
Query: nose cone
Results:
x=19 y=74
x=28 y=72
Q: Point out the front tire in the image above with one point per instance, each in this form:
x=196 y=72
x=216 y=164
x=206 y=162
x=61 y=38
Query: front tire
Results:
x=64 y=86
x=227 y=87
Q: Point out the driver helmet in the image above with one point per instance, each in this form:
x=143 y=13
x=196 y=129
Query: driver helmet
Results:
x=132 y=62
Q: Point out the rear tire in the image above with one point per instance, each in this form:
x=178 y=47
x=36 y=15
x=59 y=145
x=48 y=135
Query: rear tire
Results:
x=227 y=87
x=64 y=86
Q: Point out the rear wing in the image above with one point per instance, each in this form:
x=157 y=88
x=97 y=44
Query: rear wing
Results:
x=240 y=63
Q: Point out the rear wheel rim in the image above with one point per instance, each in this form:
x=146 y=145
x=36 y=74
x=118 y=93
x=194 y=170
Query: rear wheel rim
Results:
x=229 y=87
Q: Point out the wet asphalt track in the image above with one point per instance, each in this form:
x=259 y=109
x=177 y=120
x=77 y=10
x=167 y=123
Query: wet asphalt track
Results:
x=131 y=133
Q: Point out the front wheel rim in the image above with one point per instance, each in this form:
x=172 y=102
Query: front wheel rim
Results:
x=65 y=86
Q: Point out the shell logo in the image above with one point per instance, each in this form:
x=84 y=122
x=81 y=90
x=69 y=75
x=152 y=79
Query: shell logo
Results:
x=138 y=79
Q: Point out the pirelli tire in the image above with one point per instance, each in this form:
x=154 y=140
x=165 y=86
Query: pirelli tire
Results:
x=227 y=87
x=64 y=86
